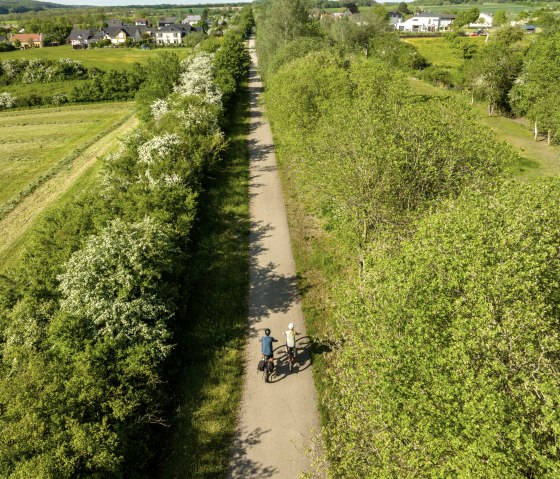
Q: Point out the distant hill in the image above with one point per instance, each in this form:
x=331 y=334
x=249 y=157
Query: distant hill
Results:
x=22 y=6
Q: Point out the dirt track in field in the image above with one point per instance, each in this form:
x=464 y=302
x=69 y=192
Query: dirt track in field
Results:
x=15 y=224
x=278 y=421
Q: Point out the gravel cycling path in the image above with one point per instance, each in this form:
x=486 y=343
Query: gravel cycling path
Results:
x=278 y=421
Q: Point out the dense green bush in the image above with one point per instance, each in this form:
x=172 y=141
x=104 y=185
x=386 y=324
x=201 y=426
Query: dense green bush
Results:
x=109 y=85
x=450 y=368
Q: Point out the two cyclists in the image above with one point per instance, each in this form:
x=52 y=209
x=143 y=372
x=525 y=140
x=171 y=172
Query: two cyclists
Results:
x=267 y=350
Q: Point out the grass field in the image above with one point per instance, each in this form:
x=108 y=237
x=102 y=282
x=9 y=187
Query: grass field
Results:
x=70 y=176
x=33 y=141
x=439 y=51
x=209 y=375
x=102 y=58
x=486 y=8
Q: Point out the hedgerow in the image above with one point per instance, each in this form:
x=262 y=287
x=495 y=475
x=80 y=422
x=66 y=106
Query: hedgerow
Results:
x=87 y=318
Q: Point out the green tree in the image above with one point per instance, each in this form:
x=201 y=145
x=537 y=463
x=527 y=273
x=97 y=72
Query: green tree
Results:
x=281 y=21
x=491 y=74
x=537 y=92
x=500 y=17
x=465 y=17
x=403 y=8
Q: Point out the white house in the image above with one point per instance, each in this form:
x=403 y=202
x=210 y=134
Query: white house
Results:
x=172 y=34
x=426 y=22
x=485 y=20
x=191 y=19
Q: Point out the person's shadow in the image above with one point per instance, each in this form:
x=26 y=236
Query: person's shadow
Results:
x=282 y=365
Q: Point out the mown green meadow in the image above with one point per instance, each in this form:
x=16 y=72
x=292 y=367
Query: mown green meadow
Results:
x=102 y=58
x=439 y=51
x=33 y=141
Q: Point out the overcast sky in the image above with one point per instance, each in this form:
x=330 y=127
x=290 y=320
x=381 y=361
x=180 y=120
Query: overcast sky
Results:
x=100 y=3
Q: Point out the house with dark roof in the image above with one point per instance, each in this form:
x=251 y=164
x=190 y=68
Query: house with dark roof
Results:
x=395 y=17
x=172 y=34
x=166 y=21
x=80 y=37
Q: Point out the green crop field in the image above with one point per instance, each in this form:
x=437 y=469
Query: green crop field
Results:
x=34 y=141
x=102 y=58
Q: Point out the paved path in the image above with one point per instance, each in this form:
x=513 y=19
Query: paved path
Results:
x=277 y=420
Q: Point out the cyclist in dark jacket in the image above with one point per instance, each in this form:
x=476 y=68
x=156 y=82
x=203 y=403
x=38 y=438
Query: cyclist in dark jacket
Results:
x=266 y=344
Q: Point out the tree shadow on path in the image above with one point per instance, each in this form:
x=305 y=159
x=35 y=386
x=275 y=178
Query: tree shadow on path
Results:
x=243 y=467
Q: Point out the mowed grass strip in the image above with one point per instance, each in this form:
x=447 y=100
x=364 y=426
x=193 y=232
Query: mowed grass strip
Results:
x=101 y=58
x=18 y=223
x=209 y=351
x=33 y=141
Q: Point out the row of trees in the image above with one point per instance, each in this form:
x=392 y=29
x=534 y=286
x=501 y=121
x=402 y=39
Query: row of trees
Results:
x=442 y=294
x=297 y=33
x=87 y=318
x=512 y=77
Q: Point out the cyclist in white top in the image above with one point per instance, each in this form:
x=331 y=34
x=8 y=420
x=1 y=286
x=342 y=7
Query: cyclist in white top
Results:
x=291 y=340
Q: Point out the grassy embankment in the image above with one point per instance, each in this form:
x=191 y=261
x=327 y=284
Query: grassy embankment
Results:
x=47 y=156
x=208 y=389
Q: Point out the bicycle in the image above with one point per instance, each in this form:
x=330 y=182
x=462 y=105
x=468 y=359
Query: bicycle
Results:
x=267 y=370
x=291 y=355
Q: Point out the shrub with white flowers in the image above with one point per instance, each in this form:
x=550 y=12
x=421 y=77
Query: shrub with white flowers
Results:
x=198 y=78
x=157 y=147
x=114 y=283
x=159 y=108
x=7 y=100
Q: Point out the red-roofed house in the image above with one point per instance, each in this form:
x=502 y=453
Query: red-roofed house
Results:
x=28 y=40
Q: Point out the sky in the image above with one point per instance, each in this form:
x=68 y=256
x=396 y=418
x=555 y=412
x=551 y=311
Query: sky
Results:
x=100 y=3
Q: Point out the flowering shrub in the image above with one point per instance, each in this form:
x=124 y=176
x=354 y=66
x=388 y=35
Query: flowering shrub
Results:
x=7 y=100
x=38 y=70
x=197 y=79
x=159 y=108
x=113 y=283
